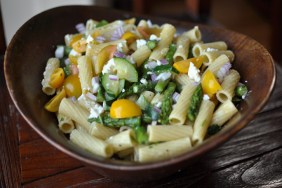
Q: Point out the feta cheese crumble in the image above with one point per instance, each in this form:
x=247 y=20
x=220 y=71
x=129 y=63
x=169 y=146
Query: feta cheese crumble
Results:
x=194 y=73
x=154 y=37
x=163 y=76
x=96 y=110
x=206 y=97
x=140 y=43
x=110 y=67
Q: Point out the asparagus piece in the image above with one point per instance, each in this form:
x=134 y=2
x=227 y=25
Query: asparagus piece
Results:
x=161 y=84
x=166 y=107
x=170 y=53
x=102 y=23
x=196 y=100
x=137 y=88
x=241 y=90
x=141 y=134
x=152 y=44
x=106 y=120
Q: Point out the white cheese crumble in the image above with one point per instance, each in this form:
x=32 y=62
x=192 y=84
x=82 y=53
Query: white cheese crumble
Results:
x=163 y=76
x=140 y=43
x=211 y=49
x=110 y=67
x=95 y=85
x=158 y=104
x=96 y=110
x=194 y=73
x=89 y=39
x=154 y=37
x=159 y=63
x=144 y=81
x=120 y=47
x=180 y=46
x=206 y=97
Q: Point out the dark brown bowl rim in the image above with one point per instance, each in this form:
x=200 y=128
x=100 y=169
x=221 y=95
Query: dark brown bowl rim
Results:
x=212 y=143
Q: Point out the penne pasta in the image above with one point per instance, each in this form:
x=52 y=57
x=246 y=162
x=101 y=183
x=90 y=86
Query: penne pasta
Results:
x=161 y=133
x=228 y=85
x=179 y=112
x=161 y=151
x=166 y=37
x=52 y=64
x=91 y=144
x=223 y=113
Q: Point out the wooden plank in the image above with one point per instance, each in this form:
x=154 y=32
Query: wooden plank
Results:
x=40 y=159
x=262 y=171
x=75 y=177
x=9 y=154
x=26 y=133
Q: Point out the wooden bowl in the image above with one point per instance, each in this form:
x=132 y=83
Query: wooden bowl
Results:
x=35 y=42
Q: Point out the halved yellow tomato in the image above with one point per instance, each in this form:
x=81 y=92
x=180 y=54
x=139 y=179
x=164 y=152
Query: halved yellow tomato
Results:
x=210 y=84
x=105 y=55
x=57 y=78
x=72 y=86
x=54 y=103
x=124 y=108
x=183 y=66
x=80 y=45
x=129 y=37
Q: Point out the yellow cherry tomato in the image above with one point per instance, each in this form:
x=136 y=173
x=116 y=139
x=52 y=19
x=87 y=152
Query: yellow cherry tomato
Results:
x=124 y=108
x=54 y=103
x=129 y=37
x=57 y=78
x=104 y=55
x=74 y=38
x=210 y=84
x=183 y=66
x=80 y=45
x=73 y=59
x=72 y=86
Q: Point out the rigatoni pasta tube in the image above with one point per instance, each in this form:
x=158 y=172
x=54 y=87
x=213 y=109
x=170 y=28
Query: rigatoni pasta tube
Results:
x=217 y=64
x=228 y=85
x=122 y=140
x=76 y=112
x=85 y=73
x=182 y=48
x=161 y=151
x=141 y=54
x=223 y=113
x=183 y=79
x=199 y=48
x=166 y=37
x=194 y=35
x=203 y=120
x=160 y=133
x=51 y=65
x=91 y=143
x=179 y=112
x=211 y=56
x=65 y=124
x=101 y=131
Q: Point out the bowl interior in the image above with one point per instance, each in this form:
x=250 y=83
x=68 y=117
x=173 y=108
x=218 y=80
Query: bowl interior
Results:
x=36 y=40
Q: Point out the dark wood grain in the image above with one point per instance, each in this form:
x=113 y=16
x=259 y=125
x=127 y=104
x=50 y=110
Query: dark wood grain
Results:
x=9 y=153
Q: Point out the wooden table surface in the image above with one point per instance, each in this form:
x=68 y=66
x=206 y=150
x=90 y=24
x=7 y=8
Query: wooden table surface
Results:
x=252 y=158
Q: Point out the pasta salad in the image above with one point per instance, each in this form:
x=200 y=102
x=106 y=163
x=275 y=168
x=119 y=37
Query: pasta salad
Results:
x=140 y=91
